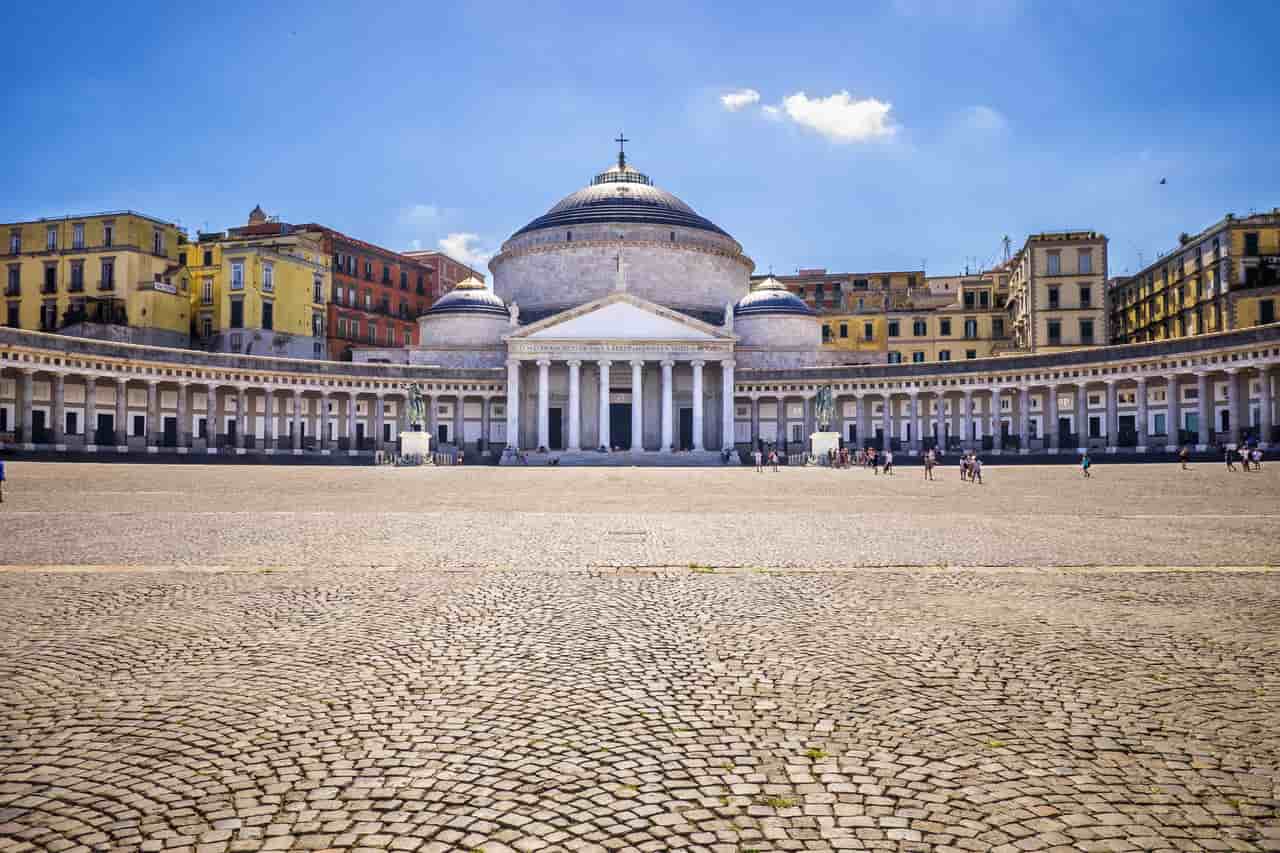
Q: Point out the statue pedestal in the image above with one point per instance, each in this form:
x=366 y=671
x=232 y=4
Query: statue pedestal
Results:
x=823 y=442
x=415 y=444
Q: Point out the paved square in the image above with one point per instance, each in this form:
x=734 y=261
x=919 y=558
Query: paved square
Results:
x=251 y=658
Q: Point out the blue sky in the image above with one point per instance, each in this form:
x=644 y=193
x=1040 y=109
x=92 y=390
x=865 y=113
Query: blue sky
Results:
x=884 y=135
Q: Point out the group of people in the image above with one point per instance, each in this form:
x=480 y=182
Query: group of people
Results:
x=1250 y=458
x=970 y=468
x=765 y=457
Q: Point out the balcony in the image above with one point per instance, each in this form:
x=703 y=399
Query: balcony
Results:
x=107 y=285
x=13 y=290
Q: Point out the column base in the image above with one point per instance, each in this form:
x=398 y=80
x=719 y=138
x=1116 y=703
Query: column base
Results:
x=240 y=451
x=268 y=451
x=1024 y=451
x=60 y=448
x=183 y=451
x=1201 y=448
x=1141 y=448
x=152 y=449
x=325 y=452
x=88 y=448
x=353 y=452
x=27 y=445
x=996 y=451
x=122 y=448
x=1112 y=449
x=1052 y=451
x=297 y=452
x=212 y=451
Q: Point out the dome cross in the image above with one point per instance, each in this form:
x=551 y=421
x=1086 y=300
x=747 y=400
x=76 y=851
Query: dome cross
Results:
x=622 y=150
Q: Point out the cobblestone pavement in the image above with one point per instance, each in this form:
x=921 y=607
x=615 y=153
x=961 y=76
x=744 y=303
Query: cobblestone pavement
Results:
x=362 y=704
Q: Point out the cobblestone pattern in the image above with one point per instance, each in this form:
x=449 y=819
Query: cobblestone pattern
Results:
x=359 y=709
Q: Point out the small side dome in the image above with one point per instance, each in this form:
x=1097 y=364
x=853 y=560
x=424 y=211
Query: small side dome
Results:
x=470 y=296
x=771 y=297
x=257 y=216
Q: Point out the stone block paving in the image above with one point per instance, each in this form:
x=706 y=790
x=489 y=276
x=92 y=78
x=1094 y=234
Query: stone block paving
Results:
x=419 y=710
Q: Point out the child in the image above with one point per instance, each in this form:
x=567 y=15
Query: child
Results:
x=1084 y=465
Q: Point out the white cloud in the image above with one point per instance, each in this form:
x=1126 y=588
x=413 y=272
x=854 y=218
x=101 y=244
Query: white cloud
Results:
x=421 y=214
x=985 y=118
x=734 y=101
x=415 y=245
x=460 y=247
x=772 y=112
x=839 y=117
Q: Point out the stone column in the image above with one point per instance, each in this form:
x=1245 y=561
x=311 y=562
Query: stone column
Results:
x=433 y=415
x=513 y=404
x=940 y=418
x=1024 y=419
x=637 y=405
x=242 y=415
x=697 y=405
x=886 y=417
x=460 y=422
x=22 y=432
x=1140 y=419
x=544 y=404
x=268 y=420
x=1053 y=442
x=297 y=421
x=1266 y=415
x=322 y=442
x=603 y=437
x=575 y=405
x=1238 y=395
x=58 y=389
x=353 y=403
x=667 y=404
x=729 y=416
x=1172 y=427
x=966 y=419
x=154 y=421
x=122 y=413
x=1082 y=416
x=1206 y=410
x=997 y=433
x=915 y=422
x=90 y=411
x=1113 y=417
x=755 y=422
x=379 y=419
x=486 y=415
x=184 y=418
x=211 y=418
x=780 y=422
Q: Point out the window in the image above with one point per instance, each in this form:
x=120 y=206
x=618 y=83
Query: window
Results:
x=971 y=353
x=77 y=236
x=235 y=341
x=206 y=326
x=77 y=276
x=237 y=313
x=14 y=287
x=893 y=328
x=368 y=270
x=568 y=236
x=268 y=277
x=373 y=333
x=1158 y=424
x=15 y=242
x=421 y=291
x=1053 y=297
x=50 y=279
x=157 y=242
x=1086 y=331
x=1055 y=332
x=404 y=280
x=1085 y=262
x=944 y=327
x=917 y=357
x=139 y=426
x=944 y=355
x=1053 y=260
x=997 y=327
x=386 y=274
x=182 y=259
x=844 y=330
x=12 y=320
x=1250 y=243
x=51 y=238
x=342 y=327
x=317 y=324
x=970 y=328
x=919 y=328
x=108 y=233
x=206 y=292
x=49 y=315
x=969 y=299
x=317 y=290
x=895 y=358
x=1086 y=296
x=408 y=335
x=826 y=333
x=817 y=293
x=268 y=315
x=868 y=331
x=391 y=336
x=237 y=275
x=1266 y=311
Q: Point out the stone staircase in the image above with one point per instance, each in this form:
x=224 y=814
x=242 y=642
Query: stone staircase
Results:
x=623 y=459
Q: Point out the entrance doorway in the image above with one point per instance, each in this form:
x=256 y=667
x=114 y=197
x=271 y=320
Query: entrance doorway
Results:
x=38 y=427
x=106 y=432
x=555 y=430
x=620 y=425
x=686 y=429
x=170 y=432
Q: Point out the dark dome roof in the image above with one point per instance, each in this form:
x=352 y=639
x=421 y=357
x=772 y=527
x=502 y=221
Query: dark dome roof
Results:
x=470 y=297
x=621 y=194
x=771 y=297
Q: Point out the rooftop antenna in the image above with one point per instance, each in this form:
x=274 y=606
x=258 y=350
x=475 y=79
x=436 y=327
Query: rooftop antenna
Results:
x=622 y=150
x=1007 y=243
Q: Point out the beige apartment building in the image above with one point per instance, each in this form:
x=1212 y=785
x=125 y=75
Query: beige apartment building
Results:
x=1057 y=285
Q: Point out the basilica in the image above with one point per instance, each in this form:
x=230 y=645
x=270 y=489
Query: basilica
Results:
x=620 y=316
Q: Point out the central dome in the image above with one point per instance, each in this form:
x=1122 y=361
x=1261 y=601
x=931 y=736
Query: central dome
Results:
x=621 y=194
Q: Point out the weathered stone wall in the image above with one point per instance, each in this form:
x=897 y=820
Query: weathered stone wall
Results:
x=461 y=330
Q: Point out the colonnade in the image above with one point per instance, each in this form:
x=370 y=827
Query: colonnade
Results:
x=1226 y=405
x=607 y=368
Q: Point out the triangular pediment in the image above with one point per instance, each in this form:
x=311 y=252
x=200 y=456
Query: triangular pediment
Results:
x=621 y=316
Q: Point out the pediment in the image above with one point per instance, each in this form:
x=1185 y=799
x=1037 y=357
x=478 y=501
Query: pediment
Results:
x=621 y=316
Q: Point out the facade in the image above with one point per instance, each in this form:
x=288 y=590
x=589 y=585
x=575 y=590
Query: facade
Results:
x=260 y=289
x=1225 y=277
x=1057 y=292
x=111 y=275
x=377 y=294
x=444 y=272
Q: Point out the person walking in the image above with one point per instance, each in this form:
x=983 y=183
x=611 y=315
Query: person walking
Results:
x=928 y=464
x=773 y=459
x=1085 y=462
x=888 y=461
x=1256 y=455
x=1185 y=456
x=1229 y=455
x=759 y=458
x=975 y=469
x=1244 y=458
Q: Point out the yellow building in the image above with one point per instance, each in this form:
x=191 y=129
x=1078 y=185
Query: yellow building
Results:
x=105 y=275
x=1057 y=284
x=260 y=289
x=950 y=318
x=1225 y=277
